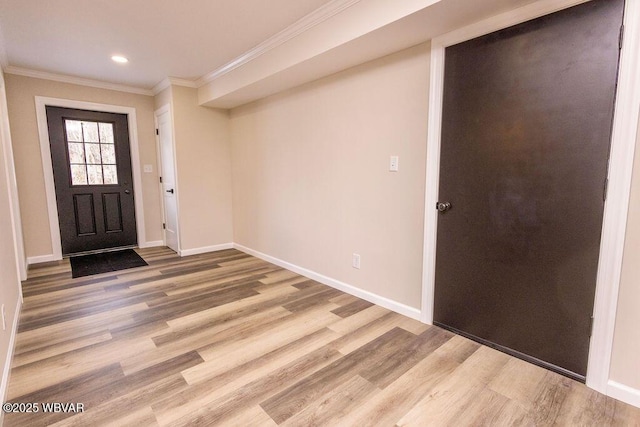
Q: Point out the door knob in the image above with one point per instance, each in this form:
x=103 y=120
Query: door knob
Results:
x=170 y=191
x=127 y=191
x=443 y=206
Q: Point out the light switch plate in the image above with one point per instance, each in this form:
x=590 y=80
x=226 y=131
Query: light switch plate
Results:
x=393 y=164
x=148 y=168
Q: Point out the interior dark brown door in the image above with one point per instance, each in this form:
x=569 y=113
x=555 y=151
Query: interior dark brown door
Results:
x=527 y=116
x=92 y=173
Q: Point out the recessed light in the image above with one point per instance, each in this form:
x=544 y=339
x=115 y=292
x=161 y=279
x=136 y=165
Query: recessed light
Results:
x=120 y=59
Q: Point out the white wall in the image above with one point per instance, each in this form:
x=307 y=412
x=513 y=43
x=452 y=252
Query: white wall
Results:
x=9 y=275
x=203 y=159
x=311 y=180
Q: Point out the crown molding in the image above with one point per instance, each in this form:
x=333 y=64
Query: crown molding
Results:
x=173 y=81
x=161 y=86
x=45 y=75
x=307 y=22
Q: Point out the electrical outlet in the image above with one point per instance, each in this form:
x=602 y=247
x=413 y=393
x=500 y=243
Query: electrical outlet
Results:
x=4 y=322
x=355 y=261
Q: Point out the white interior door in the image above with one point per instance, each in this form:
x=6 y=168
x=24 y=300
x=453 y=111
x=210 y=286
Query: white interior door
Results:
x=168 y=178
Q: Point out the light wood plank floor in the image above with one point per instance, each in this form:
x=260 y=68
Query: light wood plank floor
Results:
x=228 y=339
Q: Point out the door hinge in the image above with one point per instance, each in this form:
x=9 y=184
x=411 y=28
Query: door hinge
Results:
x=164 y=226
x=606 y=188
x=160 y=180
x=157 y=131
x=621 y=36
x=591 y=327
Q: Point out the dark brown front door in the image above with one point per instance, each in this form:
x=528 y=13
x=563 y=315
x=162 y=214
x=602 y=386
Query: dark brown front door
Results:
x=92 y=173
x=527 y=116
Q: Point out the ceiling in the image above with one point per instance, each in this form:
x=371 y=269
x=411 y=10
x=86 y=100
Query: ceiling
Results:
x=183 y=39
x=232 y=51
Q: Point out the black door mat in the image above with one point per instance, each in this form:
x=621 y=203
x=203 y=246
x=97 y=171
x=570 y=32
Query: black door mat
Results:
x=87 y=265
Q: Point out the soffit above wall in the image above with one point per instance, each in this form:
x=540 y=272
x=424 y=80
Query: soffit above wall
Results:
x=364 y=31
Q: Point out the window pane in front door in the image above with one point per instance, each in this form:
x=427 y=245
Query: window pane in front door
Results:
x=92 y=155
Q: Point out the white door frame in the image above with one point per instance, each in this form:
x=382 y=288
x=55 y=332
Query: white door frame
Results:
x=162 y=110
x=45 y=152
x=625 y=130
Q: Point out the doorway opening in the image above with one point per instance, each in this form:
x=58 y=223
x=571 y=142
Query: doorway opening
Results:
x=92 y=172
x=82 y=200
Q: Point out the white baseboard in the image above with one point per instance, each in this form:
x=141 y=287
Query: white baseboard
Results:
x=405 y=310
x=624 y=393
x=41 y=258
x=7 y=367
x=205 y=249
x=152 y=244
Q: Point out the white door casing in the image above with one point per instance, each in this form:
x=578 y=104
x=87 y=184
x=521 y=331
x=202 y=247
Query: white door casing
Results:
x=45 y=152
x=168 y=186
